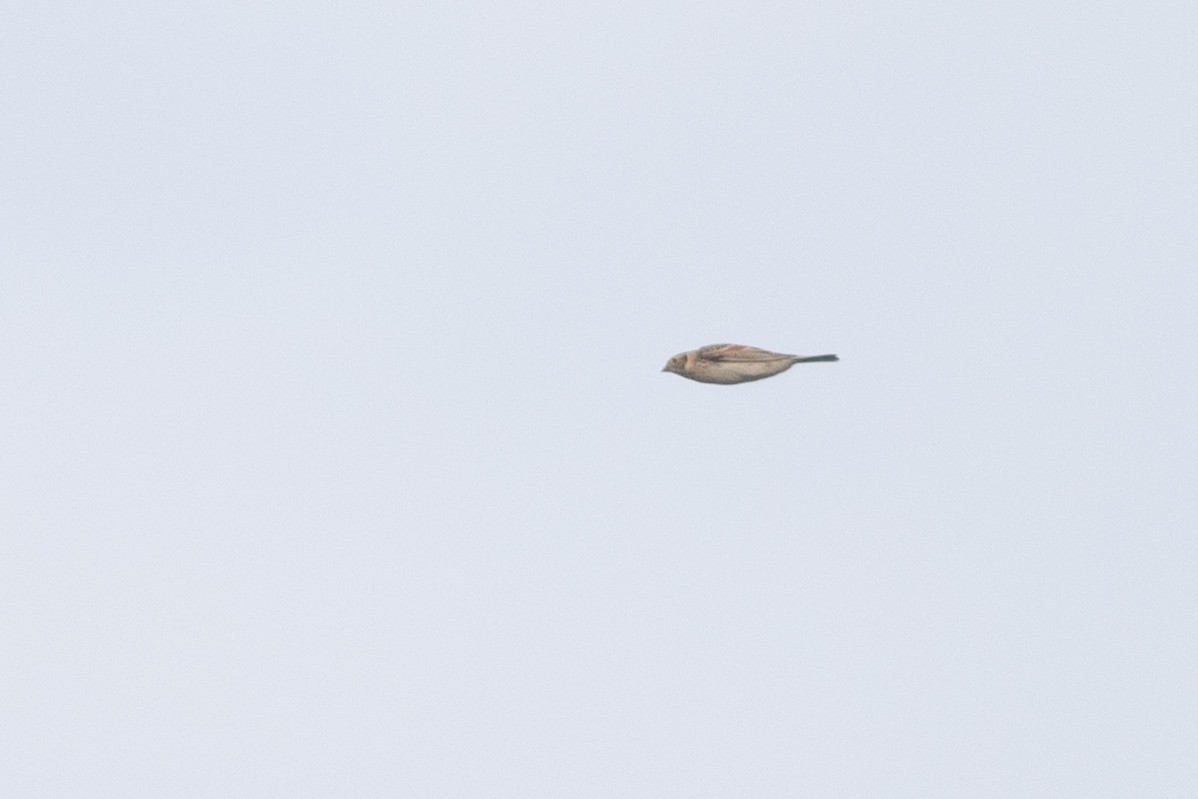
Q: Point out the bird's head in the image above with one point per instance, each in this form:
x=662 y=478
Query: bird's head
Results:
x=675 y=364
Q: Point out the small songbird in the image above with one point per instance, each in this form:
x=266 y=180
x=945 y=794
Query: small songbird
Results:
x=734 y=363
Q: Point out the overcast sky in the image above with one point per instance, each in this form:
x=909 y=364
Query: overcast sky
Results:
x=337 y=459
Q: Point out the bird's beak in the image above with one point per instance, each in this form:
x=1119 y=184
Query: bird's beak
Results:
x=665 y=368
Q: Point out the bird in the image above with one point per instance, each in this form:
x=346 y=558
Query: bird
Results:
x=735 y=363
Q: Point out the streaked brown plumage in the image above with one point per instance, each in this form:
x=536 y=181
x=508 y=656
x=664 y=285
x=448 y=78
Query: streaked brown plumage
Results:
x=735 y=363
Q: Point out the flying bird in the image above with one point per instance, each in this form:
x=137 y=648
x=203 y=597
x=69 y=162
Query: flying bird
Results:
x=735 y=363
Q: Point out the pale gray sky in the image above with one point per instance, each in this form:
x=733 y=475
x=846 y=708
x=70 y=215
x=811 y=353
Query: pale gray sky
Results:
x=337 y=460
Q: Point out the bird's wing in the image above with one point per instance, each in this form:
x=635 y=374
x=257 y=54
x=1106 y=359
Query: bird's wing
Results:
x=738 y=352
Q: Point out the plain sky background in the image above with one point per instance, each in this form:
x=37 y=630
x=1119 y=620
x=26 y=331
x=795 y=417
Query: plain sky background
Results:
x=337 y=460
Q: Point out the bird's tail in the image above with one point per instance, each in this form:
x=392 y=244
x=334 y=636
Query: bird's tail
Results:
x=810 y=358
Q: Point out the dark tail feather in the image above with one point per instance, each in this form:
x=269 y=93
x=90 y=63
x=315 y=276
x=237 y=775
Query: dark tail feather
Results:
x=810 y=358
